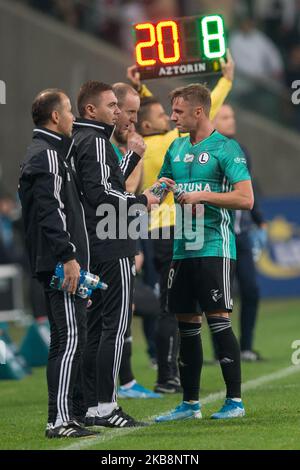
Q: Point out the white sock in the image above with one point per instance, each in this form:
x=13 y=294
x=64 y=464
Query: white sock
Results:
x=191 y=402
x=105 y=409
x=92 y=411
x=129 y=384
x=236 y=399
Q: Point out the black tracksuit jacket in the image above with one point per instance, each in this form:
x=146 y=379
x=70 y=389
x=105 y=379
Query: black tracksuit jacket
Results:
x=102 y=179
x=52 y=211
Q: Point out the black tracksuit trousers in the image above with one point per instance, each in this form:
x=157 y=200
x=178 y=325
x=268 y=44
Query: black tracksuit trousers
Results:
x=67 y=318
x=107 y=321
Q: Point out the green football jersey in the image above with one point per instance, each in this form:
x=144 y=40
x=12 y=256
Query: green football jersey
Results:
x=118 y=152
x=214 y=164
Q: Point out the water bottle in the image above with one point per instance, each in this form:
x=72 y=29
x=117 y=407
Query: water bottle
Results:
x=159 y=189
x=91 y=281
x=177 y=191
x=87 y=282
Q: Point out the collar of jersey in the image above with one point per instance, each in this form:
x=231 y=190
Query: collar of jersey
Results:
x=96 y=125
x=201 y=141
x=60 y=142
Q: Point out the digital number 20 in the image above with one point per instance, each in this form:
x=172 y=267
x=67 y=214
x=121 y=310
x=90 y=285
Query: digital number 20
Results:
x=156 y=35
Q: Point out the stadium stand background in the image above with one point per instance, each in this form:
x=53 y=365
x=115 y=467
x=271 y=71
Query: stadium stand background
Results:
x=53 y=47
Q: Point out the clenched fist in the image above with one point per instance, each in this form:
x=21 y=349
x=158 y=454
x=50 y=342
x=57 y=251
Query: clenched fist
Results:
x=136 y=143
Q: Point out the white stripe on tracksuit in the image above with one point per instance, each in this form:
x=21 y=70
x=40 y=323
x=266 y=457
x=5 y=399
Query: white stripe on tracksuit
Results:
x=67 y=360
x=105 y=171
x=125 y=161
x=53 y=168
x=123 y=321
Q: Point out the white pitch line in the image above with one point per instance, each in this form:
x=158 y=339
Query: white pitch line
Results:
x=250 y=385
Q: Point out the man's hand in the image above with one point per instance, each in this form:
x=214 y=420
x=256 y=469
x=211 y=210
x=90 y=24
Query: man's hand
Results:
x=259 y=237
x=151 y=199
x=259 y=240
x=134 y=77
x=72 y=276
x=168 y=181
x=190 y=198
x=228 y=67
x=136 y=143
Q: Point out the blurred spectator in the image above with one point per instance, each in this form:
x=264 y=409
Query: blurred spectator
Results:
x=293 y=65
x=275 y=16
x=254 y=53
x=291 y=32
x=243 y=8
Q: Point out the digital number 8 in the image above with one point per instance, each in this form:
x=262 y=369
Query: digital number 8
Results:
x=208 y=37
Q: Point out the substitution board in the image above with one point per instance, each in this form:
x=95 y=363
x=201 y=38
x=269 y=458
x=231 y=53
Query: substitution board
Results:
x=182 y=46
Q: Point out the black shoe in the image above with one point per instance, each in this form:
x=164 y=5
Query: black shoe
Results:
x=71 y=429
x=117 y=419
x=48 y=430
x=80 y=420
x=164 y=388
x=89 y=421
x=175 y=381
x=171 y=386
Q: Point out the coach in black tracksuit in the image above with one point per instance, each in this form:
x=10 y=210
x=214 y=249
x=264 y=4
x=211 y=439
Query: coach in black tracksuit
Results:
x=102 y=180
x=55 y=232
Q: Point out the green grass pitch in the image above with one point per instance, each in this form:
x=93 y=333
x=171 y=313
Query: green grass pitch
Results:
x=271 y=399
